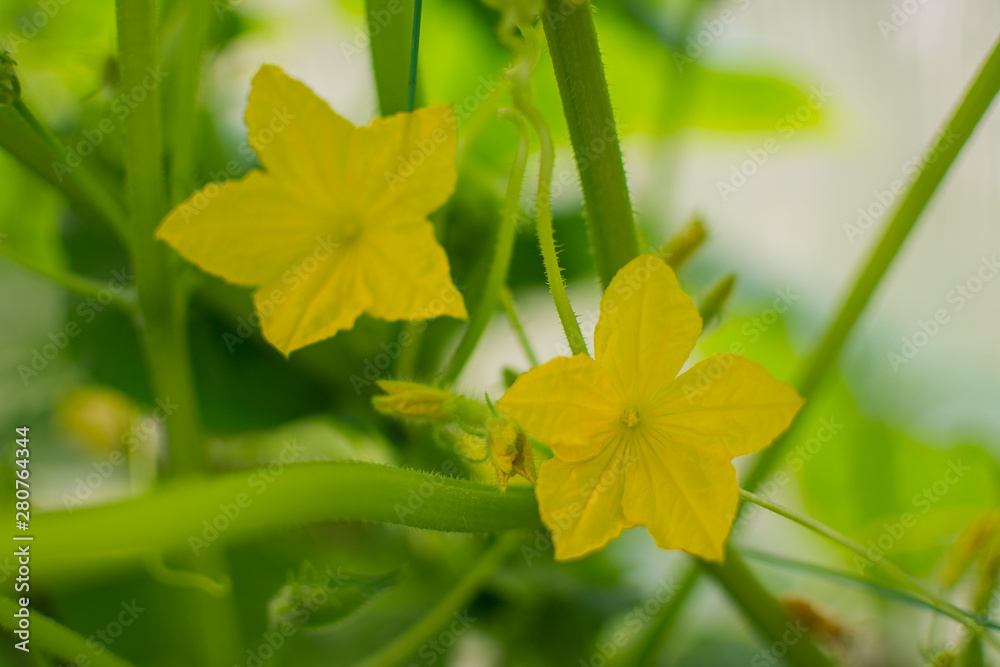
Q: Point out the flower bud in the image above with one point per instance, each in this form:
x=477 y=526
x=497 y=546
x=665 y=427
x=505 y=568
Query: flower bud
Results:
x=509 y=450
x=409 y=400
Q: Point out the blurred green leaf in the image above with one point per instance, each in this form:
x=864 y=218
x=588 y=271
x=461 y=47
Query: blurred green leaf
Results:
x=315 y=599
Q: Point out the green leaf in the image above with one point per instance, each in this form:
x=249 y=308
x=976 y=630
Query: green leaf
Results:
x=315 y=599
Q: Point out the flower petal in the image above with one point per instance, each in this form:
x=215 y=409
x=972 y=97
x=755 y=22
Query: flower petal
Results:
x=568 y=404
x=404 y=164
x=727 y=403
x=581 y=502
x=647 y=328
x=314 y=301
x=298 y=137
x=407 y=273
x=248 y=231
x=685 y=496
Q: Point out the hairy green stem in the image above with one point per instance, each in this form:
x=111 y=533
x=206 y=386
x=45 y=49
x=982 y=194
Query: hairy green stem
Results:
x=576 y=59
x=497 y=277
x=112 y=536
x=406 y=644
x=56 y=639
x=546 y=234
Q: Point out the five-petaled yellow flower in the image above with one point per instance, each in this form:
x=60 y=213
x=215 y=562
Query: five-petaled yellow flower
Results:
x=336 y=223
x=633 y=442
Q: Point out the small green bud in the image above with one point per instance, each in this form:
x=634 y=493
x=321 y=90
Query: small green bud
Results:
x=716 y=297
x=677 y=250
x=10 y=87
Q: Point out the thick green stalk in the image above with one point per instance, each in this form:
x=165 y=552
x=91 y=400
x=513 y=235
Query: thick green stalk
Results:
x=408 y=643
x=160 y=306
x=50 y=637
x=186 y=81
x=113 y=536
x=766 y=614
x=390 y=31
x=212 y=623
x=497 y=277
x=576 y=58
x=940 y=155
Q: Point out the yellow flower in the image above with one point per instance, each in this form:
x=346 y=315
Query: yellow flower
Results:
x=635 y=444
x=336 y=223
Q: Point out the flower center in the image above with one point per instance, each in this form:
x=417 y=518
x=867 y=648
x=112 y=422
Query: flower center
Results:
x=348 y=230
x=630 y=417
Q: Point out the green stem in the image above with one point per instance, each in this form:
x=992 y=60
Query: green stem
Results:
x=186 y=79
x=576 y=59
x=390 y=32
x=941 y=155
x=546 y=234
x=497 y=276
x=411 y=98
x=56 y=639
x=962 y=124
x=887 y=566
x=837 y=575
x=764 y=612
x=507 y=301
x=82 y=285
x=27 y=139
x=112 y=536
x=161 y=308
x=407 y=644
